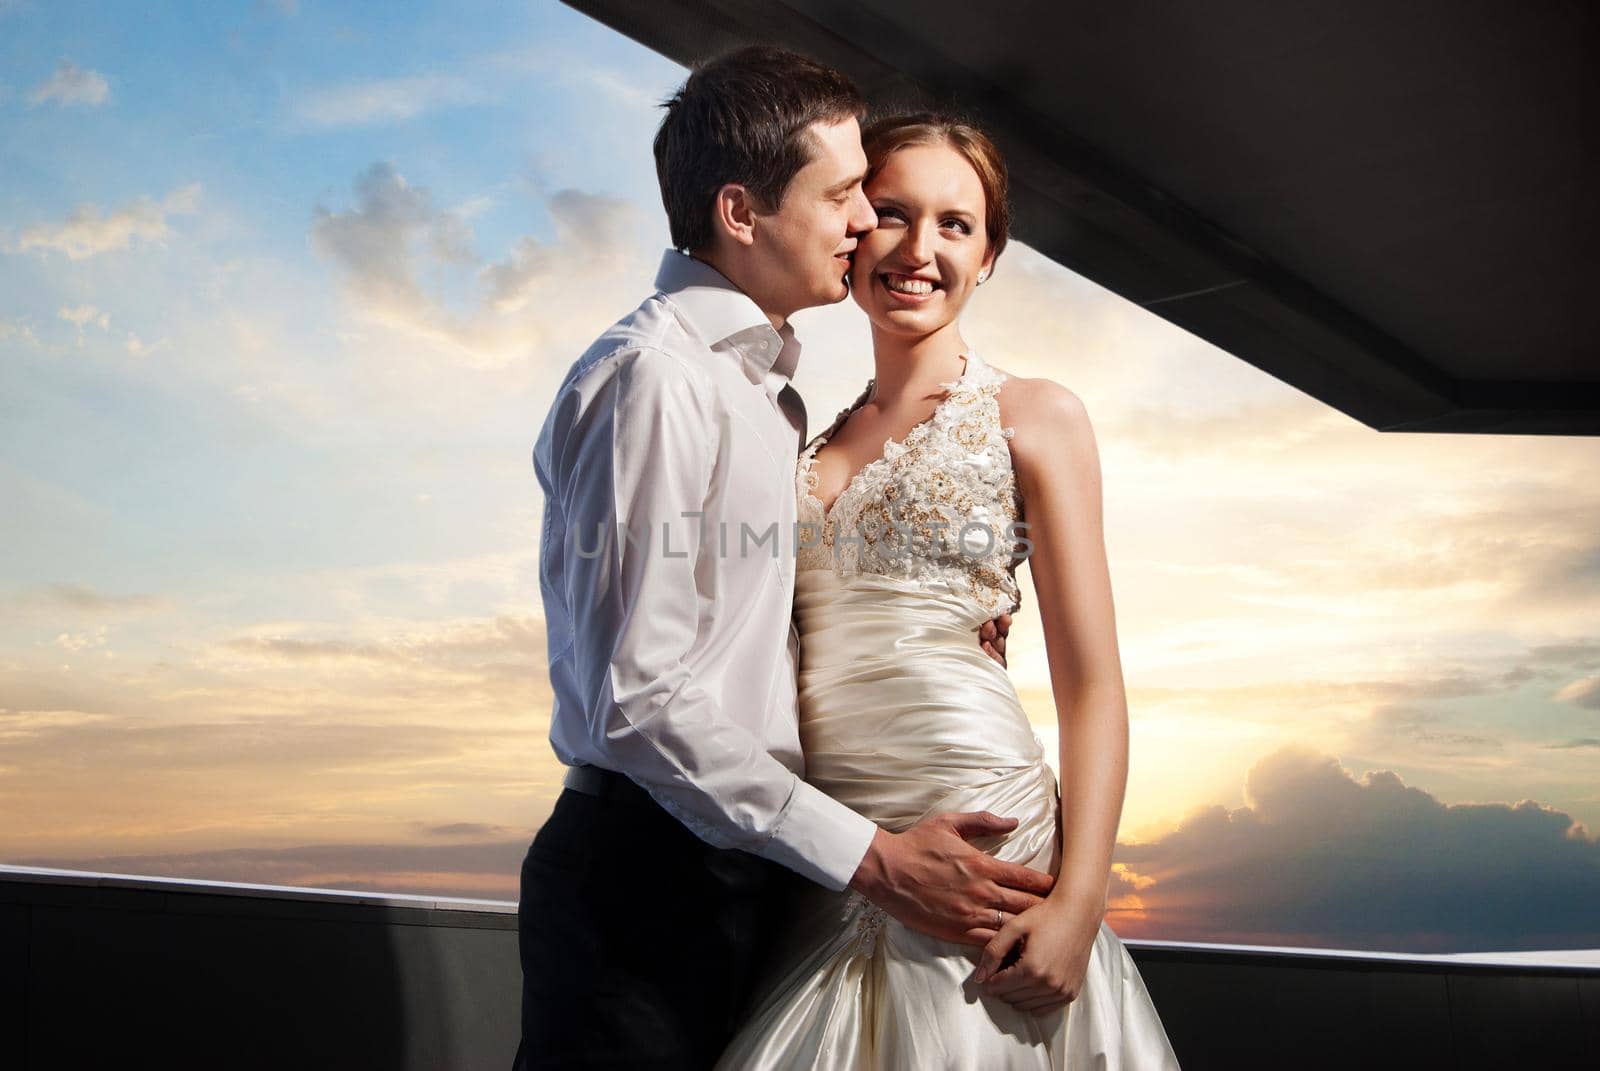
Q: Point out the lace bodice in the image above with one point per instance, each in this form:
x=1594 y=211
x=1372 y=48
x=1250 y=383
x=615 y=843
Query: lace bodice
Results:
x=947 y=487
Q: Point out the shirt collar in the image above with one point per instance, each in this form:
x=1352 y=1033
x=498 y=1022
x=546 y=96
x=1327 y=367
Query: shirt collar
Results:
x=727 y=319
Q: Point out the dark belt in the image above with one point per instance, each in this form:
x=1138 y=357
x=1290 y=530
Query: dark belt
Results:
x=607 y=784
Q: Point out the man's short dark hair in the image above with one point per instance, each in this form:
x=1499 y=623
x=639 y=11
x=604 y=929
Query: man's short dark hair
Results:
x=743 y=117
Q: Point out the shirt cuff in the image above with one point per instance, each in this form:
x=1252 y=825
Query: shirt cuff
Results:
x=820 y=838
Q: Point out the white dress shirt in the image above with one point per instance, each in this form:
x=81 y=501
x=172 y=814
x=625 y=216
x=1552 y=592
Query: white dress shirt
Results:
x=672 y=649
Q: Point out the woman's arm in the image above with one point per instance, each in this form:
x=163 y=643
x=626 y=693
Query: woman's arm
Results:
x=1057 y=468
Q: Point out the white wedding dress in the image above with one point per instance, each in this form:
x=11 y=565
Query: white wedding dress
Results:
x=903 y=715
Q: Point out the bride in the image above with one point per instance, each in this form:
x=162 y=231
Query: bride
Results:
x=905 y=550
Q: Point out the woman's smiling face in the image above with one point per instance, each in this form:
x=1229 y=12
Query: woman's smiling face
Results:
x=914 y=273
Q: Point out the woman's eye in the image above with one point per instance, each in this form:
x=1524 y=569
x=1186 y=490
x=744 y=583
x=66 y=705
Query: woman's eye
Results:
x=959 y=225
x=888 y=212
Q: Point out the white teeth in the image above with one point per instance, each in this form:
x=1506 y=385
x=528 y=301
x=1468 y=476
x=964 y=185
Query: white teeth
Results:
x=908 y=286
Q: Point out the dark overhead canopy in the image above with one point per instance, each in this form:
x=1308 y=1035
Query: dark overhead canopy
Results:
x=1390 y=206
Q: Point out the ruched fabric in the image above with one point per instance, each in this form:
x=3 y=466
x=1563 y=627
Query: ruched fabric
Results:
x=902 y=715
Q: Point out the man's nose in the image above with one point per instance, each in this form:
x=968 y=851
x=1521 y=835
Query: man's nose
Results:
x=863 y=217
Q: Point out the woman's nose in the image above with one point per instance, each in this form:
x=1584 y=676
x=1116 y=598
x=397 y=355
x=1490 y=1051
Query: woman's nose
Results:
x=918 y=242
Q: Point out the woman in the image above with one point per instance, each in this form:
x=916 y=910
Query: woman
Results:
x=902 y=715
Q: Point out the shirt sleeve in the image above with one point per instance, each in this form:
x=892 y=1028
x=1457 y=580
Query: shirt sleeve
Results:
x=640 y=459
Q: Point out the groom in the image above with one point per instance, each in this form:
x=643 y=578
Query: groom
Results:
x=667 y=464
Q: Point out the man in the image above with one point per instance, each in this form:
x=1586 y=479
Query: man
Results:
x=667 y=463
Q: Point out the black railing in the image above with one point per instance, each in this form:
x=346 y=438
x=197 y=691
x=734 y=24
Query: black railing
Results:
x=108 y=970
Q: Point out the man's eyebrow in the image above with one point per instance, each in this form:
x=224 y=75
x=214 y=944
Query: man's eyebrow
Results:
x=840 y=187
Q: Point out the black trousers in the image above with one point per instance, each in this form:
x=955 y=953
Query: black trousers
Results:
x=640 y=942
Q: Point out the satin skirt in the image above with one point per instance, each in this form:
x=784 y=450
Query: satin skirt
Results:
x=902 y=715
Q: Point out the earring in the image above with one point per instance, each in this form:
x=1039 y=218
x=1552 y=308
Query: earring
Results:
x=982 y=275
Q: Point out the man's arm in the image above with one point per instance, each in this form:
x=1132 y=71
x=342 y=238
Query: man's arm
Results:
x=637 y=456
x=992 y=637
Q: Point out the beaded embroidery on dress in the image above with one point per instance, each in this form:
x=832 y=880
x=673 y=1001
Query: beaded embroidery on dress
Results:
x=939 y=507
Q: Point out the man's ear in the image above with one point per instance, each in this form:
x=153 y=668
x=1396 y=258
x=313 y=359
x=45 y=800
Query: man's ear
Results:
x=734 y=213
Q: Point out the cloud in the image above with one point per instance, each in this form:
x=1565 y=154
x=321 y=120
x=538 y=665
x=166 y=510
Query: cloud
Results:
x=595 y=228
x=382 y=731
x=1582 y=741
x=82 y=315
x=76 y=616
x=1391 y=700
x=555 y=292
x=465 y=829
x=20 y=331
x=484 y=870
x=561 y=67
x=297 y=747
x=1412 y=731
x=78 y=598
x=504 y=647
x=87 y=233
x=135 y=793
x=1584 y=693
x=384 y=100
x=1583 y=654
x=71 y=84
x=82 y=641
x=372 y=241
x=136 y=347
x=1318 y=858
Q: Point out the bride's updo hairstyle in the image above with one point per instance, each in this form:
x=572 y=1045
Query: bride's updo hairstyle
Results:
x=886 y=136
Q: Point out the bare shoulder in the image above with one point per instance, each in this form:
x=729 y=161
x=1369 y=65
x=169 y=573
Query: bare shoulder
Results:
x=1050 y=419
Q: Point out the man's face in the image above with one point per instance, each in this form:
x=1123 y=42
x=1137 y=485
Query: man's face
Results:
x=804 y=249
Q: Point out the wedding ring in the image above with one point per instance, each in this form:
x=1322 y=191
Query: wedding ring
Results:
x=999 y=918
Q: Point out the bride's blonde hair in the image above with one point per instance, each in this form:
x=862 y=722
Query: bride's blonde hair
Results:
x=888 y=135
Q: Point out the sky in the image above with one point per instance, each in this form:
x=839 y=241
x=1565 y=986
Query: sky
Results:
x=285 y=291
